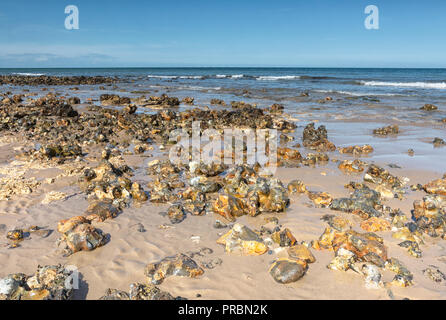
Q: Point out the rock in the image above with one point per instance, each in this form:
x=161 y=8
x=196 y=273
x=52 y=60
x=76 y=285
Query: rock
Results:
x=284 y=238
x=277 y=108
x=317 y=139
x=15 y=235
x=355 y=247
x=79 y=235
x=287 y=271
x=403 y=277
x=73 y=100
x=320 y=199
x=101 y=210
x=138 y=192
x=338 y=223
x=113 y=99
x=218 y=102
x=229 y=207
x=429 y=107
x=179 y=265
x=288 y=154
x=114 y=294
x=240 y=239
x=389 y=130
x=438 y=142
x=381 y=176
x=130 y=109
x=412 y=248
x=220 y=225
x=188 y=100
x=53 y=196
x=315 y=158
x=176 y=213
x=48 y=283
x=352 y=166
x=373 y=276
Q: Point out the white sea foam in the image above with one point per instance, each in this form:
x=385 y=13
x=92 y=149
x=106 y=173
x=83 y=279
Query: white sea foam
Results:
x=274 y=78
x=358 y=94
x=29 y=74
x=237 y=76
x=161 y=77
x=423 y=85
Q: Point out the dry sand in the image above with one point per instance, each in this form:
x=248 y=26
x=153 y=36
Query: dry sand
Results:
x=122 y=260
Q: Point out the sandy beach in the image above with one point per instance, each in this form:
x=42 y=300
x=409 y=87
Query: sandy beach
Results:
x=41 y=190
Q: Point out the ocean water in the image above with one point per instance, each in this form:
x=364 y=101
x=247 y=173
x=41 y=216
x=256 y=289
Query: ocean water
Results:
x=348 y=81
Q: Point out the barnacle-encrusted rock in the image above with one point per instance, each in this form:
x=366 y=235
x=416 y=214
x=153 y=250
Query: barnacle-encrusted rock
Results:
x=352 y=166
x=375 y=224
x=284 y=238
x=315 y=158
x=362 y=202
x=429 y=107
x=179 y=265
x=320 y=199
x=288 y=154
x=139 y=291
x=317 y=139
x=373 y=276
x=101 y=210
x=113 y=99
x=48 y=283
x=15 y=235
x=218 y=102
x=188 y=100
x=357 y=150
x=241 y=239
x=176 y=213
x=403 y=277
x=430 y=215
x=247 y=193
x=338 y=223
x=287 y=271
x=351 y=246
x=436 y=187
x=296 y=186
x=435 y=274
x=381 y=176
x=412 y=248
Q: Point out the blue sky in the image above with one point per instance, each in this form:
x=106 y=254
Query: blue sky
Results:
x=316 y=33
